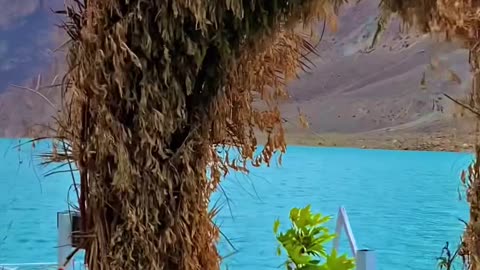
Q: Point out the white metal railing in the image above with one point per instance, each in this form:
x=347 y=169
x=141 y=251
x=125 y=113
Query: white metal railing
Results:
x=64 y=247
x=20 y=266
x=64 y=230
x=64 y=233
x=344 y=222
x=67 y=224
x=364 y=258
x=36 y=266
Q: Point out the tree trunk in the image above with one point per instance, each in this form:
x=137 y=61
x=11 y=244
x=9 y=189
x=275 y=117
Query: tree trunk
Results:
x=140 y=150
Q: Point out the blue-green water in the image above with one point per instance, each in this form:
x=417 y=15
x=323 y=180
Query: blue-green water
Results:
x=404 y=205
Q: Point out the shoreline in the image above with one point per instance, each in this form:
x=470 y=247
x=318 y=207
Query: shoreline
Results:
x=438 y=142
x=404 y=142
x=380 y=149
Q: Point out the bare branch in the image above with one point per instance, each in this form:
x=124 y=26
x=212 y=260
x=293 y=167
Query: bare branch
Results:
x=37 y=88
x=472 y=110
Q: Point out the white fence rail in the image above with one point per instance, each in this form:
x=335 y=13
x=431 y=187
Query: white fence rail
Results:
x=364 y=258
x=64 y=248
x=64 y=230
x=20 y=266
x=38 y=266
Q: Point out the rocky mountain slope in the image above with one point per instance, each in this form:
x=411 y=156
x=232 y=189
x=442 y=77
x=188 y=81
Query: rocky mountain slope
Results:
x=394 y=94
x=28 y=39
x=392 y=97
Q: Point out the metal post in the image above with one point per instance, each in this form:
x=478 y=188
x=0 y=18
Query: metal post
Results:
x=64 y=228
x=344 y=223
x=365 y=260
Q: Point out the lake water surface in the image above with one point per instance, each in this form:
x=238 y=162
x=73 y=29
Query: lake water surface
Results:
x=405 y=205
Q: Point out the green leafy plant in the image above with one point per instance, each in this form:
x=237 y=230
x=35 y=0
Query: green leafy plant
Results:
x=304 y=243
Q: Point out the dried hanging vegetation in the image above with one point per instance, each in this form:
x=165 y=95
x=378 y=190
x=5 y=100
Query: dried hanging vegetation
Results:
x=154 y=89
x=454 y=20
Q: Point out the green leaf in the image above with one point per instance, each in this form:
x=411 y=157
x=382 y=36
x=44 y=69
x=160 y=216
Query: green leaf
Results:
x=304 y=243
x=338 y=263
x=319 y=250
x=276 y=225
x=294 y=214
x=300 y=259
x=310 y=267
x=324 y=239
x=324 y=219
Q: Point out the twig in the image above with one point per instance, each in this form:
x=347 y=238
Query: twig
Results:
x=35 y=91
x=472 y=110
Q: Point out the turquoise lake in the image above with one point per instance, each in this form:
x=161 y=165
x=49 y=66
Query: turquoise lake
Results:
x=404 y=205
